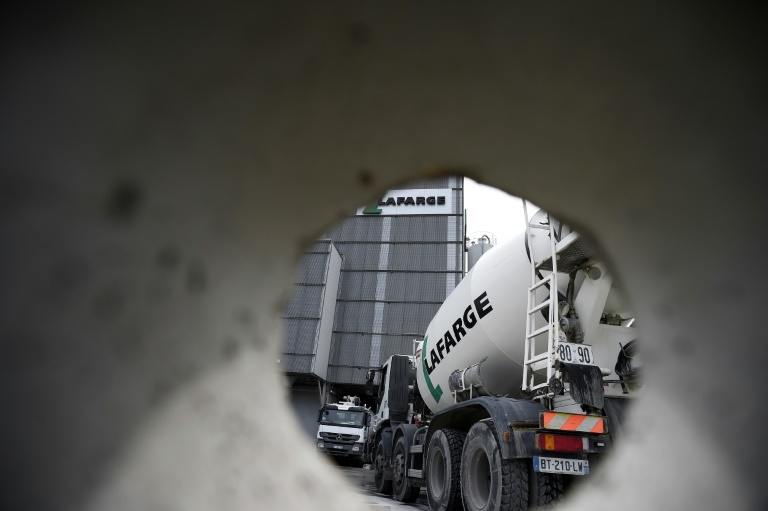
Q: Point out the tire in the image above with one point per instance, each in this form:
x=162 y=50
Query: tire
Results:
x=546 y=489
x=380 y=480
x=402 y=489
x=489 y=483
x=442 y=469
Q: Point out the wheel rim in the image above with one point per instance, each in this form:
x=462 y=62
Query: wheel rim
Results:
x=399 y=470
x=479 y=476
x=437 y=470
x=379 y=472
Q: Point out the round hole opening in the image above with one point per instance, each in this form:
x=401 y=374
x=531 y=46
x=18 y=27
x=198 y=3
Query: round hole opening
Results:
x=382 y=330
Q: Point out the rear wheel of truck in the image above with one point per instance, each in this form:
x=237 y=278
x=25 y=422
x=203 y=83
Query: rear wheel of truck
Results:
x=383 y=485
x=545 y=488
x=442 y=468
x=402 y=489
x=488 y=482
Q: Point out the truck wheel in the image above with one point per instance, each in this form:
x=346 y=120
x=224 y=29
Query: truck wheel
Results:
x=545 y=488
x=442 y=468
x=488 y=482
x=383 y=485
x=402 y=489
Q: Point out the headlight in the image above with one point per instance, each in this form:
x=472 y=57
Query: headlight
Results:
x=320 y=445
x=356 y=447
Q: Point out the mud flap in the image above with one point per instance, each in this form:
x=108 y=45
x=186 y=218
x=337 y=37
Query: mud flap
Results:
x=586 y=384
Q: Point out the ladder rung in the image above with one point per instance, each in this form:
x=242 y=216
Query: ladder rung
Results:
x=539 y=306
x=538 y=332
x=539 y=365
x=540 y=283
x=540 y=356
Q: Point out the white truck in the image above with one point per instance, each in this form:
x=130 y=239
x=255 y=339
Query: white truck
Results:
x=519 y=384
x=343 y=429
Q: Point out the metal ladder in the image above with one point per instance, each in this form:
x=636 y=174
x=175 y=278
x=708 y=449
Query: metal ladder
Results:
x=534 y=362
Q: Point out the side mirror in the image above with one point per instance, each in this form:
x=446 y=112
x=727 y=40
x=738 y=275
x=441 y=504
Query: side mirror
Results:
x=367 y=419
x=320 y=415
x=369 y=377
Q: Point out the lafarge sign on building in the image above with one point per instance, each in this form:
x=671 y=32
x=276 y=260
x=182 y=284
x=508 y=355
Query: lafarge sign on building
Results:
x=422 y=201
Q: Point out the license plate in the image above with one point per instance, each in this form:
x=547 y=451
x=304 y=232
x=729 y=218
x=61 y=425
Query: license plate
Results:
x=560 y=466
x=338 y=447
x=572 y=353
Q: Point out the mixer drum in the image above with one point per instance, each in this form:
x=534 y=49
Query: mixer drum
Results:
x=482 y=319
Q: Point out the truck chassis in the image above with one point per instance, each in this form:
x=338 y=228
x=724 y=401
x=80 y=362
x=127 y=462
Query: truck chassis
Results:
x=480 y=452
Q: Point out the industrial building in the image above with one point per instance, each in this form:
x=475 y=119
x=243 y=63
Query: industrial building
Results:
x=368 y=288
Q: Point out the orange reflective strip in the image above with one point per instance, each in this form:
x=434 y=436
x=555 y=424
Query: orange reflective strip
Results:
x=573 y=422
x=599 y=427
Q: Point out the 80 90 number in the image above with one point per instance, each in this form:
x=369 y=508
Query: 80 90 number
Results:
x=572 y=353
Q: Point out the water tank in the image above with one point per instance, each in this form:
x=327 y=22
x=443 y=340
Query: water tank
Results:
x=477 y=248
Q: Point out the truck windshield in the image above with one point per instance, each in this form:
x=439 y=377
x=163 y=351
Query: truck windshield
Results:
x=343 y=418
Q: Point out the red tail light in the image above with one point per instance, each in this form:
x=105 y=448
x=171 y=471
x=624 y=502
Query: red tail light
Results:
x=561 y=443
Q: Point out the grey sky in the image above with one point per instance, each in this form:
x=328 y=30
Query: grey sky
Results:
x=490 y=210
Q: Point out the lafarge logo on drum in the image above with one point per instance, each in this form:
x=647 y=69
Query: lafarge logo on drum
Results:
x=477 y=310
x=459 y=329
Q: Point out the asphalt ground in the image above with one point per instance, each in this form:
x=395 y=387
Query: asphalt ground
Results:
x=362 y=479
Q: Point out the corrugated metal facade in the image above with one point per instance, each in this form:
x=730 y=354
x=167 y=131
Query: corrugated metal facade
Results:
x=396 y=271
x=301 y=316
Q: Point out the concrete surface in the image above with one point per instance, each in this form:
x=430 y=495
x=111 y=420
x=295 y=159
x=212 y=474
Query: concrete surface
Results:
x=362 y=480
x=162 y=166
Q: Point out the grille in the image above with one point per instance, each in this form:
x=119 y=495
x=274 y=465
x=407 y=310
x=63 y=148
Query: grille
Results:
x=339 y=437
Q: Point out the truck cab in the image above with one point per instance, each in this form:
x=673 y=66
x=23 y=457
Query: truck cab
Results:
x=342 y=430
x=386 y=387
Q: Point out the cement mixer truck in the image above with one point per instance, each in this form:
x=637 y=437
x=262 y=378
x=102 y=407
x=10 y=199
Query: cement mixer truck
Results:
x=518 y=385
